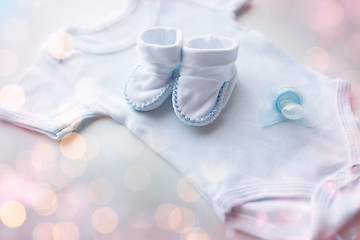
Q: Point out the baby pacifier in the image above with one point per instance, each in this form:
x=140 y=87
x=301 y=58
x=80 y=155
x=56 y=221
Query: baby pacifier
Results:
x=287 y=104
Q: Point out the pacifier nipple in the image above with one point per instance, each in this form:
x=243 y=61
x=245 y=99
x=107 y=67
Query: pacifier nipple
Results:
x=293 y=111
x=288 y=103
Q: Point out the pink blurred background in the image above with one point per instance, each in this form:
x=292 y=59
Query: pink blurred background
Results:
x=323 y=34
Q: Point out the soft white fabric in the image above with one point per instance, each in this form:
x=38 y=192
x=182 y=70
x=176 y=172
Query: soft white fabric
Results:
x=159 y=51
x=209 y=51
x=242 y=168
x=146 y=84
x=160 y=45
x=208 y=62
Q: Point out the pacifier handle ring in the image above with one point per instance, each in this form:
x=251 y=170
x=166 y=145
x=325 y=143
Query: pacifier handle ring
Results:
x=291 y=91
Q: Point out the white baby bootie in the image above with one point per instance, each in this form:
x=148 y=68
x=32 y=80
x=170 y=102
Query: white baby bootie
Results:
x=159 y=52
x=207 y=78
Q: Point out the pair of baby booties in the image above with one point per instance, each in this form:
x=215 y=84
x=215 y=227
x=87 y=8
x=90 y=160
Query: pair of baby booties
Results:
x=200 y=74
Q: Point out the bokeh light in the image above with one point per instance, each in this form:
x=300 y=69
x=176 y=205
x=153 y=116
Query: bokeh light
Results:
x=68 y=206
x=58 y=179
x=12 y=97
x=100 y=191
x=137 y=177
x=12 y=214
x=24 y=165
x=73 y=146
x=61 y=45
x=175 y=218
x=72 y=168
x=87 y=90
x=104 y=220
x=8 y=62
x=16 y=30
x=66 y=231
x=162 y=214
x=330 y=13
x=352 y=8
x=43 y=156
x=317 y=59
x=195 y=234
x=181 y=220
x=44 y=201
x=186 y=191
x=43 y=231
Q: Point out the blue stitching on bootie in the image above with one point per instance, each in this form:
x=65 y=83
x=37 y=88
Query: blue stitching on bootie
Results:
x=203 y=119
x=142 y=106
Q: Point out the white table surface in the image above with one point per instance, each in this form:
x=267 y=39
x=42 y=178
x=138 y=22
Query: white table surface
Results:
x=120 y=185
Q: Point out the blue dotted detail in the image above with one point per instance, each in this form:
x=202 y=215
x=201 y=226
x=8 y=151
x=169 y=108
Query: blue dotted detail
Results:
x=202 y=120
x=144 y=106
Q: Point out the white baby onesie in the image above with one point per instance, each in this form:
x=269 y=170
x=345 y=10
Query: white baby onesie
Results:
x=280 y=182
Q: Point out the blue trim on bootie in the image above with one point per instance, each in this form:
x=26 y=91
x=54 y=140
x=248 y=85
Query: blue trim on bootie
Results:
x=202 y=121
x=146 y=105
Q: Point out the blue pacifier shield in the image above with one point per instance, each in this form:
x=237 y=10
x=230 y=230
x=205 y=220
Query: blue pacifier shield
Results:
x=287 y=104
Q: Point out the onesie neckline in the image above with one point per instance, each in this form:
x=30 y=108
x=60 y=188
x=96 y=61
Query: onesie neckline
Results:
x=150 y=19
